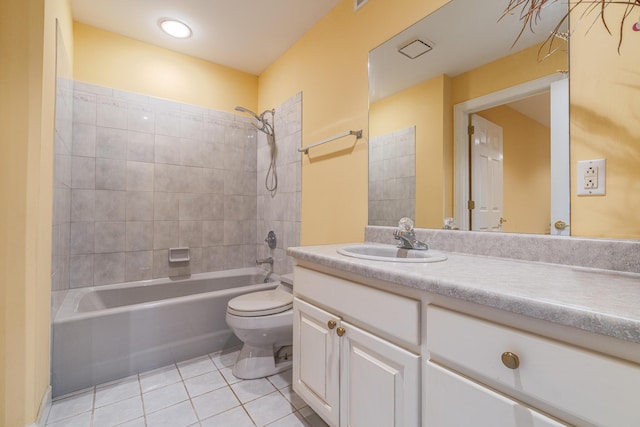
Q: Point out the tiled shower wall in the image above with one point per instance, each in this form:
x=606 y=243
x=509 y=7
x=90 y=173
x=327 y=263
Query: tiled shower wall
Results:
x=148 y=174
x=61 y=185
x=280 y=211
x=392 y=177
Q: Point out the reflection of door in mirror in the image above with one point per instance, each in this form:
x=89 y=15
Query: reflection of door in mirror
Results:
x=535 y=156
x=486 y=166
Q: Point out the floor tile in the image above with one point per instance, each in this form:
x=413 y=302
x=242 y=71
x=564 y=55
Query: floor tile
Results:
x=179 y=415
x=197 y=366
x=138 y=422
x=229 y=377
x=159 y=378
x=281 y=380
x=225 y=358
x=214 y=402
x=71 y=406
x=118 y=413
x=291 y=420
x=205 y=383
x=249 y=390
x=293 y=397
x=82 y=420
x=116 y=391
x=313 y=419
x=268 y=408
x=163 y=397
x=194 y=393
x=236 y=417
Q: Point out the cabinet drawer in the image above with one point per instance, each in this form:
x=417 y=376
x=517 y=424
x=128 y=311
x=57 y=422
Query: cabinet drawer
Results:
x=453 y=400
x=394 y=316
x=575 y=384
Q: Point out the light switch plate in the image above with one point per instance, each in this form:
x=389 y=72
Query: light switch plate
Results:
x=591 y=178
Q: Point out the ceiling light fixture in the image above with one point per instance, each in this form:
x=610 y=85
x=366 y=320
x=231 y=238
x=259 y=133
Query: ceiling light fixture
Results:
x=175 y=28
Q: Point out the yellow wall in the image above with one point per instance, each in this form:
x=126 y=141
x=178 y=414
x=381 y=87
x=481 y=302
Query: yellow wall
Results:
x=426 y=107
x=329 y=65
x=27 y=43
x=526 y=170
x=605 y=112
x=112 y=60
x=509 y=71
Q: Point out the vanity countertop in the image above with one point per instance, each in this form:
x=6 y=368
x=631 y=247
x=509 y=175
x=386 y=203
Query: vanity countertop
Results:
x=601 y=301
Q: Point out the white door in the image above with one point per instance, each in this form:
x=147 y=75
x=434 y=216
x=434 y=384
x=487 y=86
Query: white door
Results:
x=560 y=187
x=486 y=172
x=379 y=382
x=453 y=400
x=316 y=348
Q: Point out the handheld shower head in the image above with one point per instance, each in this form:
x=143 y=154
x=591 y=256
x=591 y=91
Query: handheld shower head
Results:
x=246 y=110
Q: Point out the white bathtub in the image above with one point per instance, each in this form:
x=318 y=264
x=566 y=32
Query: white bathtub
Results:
x=108 y=332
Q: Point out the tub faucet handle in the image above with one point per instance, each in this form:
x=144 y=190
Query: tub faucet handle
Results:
x=268 y=260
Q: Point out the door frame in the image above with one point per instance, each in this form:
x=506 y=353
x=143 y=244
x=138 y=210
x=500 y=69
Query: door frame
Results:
x=461 y=112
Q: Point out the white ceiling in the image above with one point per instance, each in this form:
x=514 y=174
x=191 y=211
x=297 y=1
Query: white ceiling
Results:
x=464 y=34
x=246 y=35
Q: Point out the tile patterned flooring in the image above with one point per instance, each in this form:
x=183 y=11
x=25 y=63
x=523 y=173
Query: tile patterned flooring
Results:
x=197 y=392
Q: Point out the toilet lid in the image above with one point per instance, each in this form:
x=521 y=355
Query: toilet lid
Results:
x=260 y=303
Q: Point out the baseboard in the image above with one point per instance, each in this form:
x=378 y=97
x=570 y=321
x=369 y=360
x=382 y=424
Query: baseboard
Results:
x=43 y=411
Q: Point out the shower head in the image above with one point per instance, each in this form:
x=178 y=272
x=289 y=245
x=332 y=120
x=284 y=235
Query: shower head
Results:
x=246 y=110
x=266 y=126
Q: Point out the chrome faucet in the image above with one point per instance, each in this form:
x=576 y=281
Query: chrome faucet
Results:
x=407 y=236
x=268 y=260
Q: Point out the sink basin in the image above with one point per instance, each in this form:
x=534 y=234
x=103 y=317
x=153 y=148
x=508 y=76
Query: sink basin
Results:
x=390 y=253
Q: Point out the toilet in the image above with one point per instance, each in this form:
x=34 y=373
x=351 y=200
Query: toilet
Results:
x=263 y=321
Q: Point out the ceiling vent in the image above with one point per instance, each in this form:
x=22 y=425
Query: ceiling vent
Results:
x=357 y=4
x=415 y=48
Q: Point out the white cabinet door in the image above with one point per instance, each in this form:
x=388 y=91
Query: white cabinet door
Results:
x=379 y=382
x=316 y=355
x=453 y=400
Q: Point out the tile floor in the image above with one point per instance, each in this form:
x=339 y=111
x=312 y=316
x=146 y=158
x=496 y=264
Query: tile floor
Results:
x=198 y=392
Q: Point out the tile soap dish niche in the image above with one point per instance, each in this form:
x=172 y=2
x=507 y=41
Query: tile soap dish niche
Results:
x=179 y=255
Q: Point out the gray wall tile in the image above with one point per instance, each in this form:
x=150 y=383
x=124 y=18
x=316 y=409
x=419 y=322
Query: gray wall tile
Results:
x=109 y=237
x=150 y=174
x=139 y=176
x=108 y=268
x=111 y=143
x=140 y=206
x=110 y=205
x=139 y=236
x=138 y=266
x=83 y=172
x=110 y=174
x=140 y=146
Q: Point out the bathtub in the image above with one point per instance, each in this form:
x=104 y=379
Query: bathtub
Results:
x=104 y=333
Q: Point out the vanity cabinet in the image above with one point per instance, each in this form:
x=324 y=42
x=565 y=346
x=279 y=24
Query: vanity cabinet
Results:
x=509 y=377
x=343 y=368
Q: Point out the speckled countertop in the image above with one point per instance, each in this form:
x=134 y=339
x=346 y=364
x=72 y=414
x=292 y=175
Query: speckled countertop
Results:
x=600 y=301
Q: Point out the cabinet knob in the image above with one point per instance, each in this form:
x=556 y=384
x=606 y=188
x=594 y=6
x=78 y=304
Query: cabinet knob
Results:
x=340 y=331
x=331 y=324
x=510 y=360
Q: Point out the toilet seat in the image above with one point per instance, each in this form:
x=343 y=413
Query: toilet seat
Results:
x=262 y=303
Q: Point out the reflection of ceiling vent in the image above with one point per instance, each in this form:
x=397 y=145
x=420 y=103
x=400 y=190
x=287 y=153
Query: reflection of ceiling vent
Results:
x=415 y=48
x=357 y=4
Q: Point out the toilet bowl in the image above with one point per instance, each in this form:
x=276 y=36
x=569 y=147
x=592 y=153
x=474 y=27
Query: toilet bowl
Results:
x=263 y=321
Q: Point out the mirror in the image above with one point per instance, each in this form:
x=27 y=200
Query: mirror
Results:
x=459 y=64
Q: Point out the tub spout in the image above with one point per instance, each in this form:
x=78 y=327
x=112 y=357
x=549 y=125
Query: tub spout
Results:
x=268 y=260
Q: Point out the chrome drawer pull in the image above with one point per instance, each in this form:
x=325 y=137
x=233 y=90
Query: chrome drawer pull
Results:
x=510 y=360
